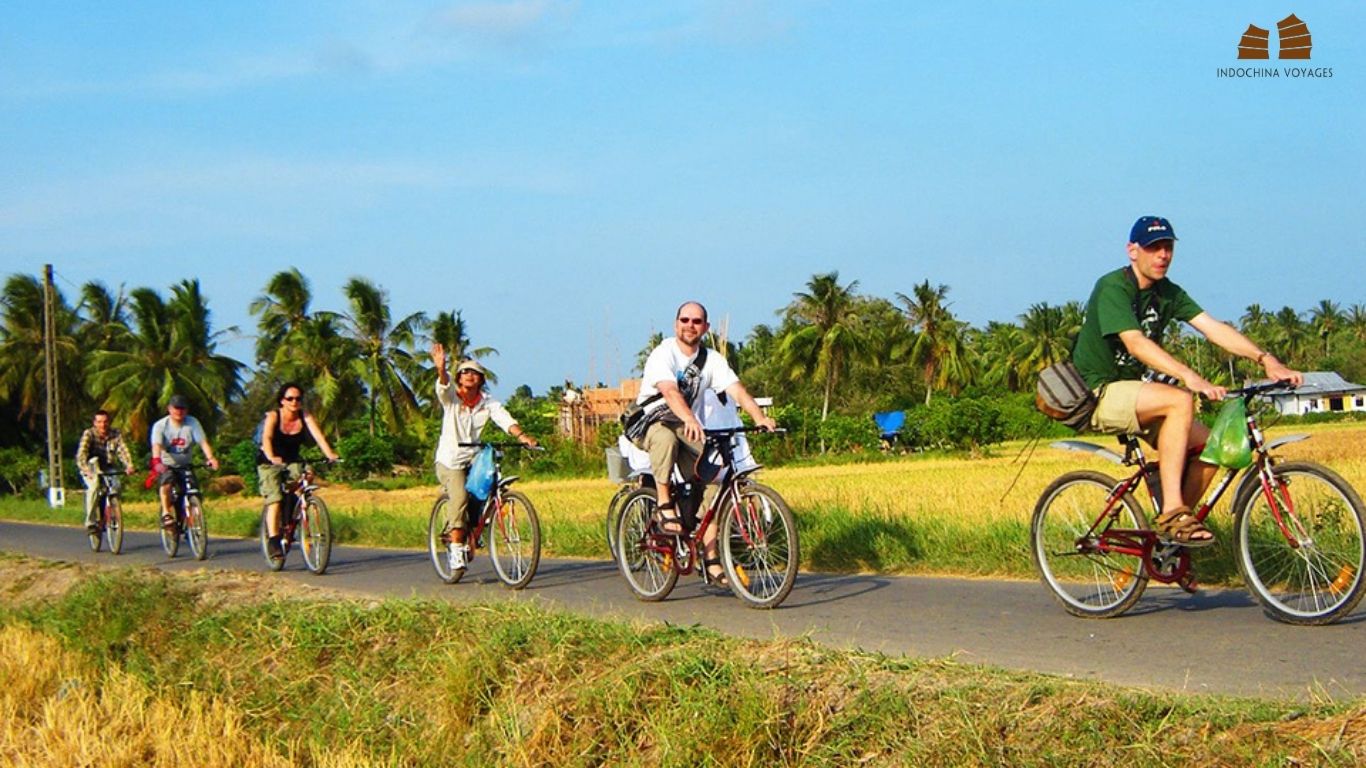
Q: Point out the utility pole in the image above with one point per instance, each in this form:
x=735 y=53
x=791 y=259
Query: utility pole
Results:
x=56 y=494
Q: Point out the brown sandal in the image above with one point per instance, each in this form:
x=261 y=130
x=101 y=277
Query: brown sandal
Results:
x=1181 y=527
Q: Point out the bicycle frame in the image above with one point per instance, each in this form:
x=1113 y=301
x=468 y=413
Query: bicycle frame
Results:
x=495 y=499
x=296 y=496
x=682 y=551
x=1146 y=544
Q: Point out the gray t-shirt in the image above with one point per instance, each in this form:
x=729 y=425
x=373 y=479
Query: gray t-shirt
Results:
x=177 y=442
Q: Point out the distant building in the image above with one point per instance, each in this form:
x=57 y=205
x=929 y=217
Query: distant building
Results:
x=583 y=412
x=1322 y=392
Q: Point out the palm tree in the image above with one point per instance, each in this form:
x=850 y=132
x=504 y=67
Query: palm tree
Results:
x=384 y=362
x=171 y=349
x=655 y=340
x=827 y=334
x=450 y=331
x=1045 y=337
x=23 y=355
x=1289 y=333
x=1356 y=322
x=283 y=309
x=104 y=317
x=939 y=351
x=1327 y=318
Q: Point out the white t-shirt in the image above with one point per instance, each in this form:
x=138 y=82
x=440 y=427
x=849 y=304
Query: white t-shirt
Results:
x=177 y=441
x=667 y=363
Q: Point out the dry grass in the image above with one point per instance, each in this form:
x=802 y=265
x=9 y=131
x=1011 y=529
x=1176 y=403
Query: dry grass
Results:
x=246 y=681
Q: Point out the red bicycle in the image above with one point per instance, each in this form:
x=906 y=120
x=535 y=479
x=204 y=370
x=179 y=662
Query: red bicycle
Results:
x=507 y=517
x=1297 y=533
x=303 y=515
x=757 y=536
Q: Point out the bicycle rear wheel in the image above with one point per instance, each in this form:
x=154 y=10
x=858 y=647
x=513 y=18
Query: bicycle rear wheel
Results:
x=438 y=542
x=113 y=524
x=758 y=537
x=643 y=558
x=514 y=535
x=315 y=535
x=1301 y=547
x=273 y=563
x=1088 y=578
x=196 y=530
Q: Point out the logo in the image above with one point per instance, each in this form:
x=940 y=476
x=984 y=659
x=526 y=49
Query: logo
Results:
x=1294 y=43
x=1295 y=40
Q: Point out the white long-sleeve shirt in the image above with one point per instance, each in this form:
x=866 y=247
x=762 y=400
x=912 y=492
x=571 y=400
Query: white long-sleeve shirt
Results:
x=463 y=424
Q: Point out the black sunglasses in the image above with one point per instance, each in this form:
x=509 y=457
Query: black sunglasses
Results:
x=692 y=321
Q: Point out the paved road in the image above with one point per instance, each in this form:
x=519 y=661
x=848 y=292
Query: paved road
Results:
x=1221 y=641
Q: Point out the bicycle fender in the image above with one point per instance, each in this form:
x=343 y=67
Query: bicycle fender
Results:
x=1084 y=447
x=1285 y=440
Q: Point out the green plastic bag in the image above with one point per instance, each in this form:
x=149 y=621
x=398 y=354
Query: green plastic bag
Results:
x=1228 y=444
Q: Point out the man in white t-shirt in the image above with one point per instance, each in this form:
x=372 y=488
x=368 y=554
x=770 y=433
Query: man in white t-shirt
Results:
x=672 y=390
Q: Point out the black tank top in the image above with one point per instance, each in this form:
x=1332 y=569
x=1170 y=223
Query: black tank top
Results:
x=286 y=446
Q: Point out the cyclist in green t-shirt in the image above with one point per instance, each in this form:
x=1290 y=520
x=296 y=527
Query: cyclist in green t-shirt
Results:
x=1119 y=352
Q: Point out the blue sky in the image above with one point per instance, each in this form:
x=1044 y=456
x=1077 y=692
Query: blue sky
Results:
x=565 y=173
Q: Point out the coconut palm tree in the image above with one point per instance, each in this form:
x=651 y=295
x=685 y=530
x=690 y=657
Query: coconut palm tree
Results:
x=283 y=309
x=1045 y=337
x=103 y=317
x=385 y=362
x=171 y=349
x=826 y=334
x=940 y=350
x=1326 y=319
x=1289 y=334
x=23 y=355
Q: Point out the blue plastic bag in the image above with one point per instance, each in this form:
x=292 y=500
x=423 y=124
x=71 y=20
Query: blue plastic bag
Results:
x=479 y=481
x=1229 y=445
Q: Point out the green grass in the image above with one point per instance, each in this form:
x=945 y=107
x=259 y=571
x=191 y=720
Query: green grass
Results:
x=422 y=683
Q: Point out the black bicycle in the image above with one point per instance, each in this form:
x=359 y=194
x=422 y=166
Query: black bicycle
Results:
x=187 y=501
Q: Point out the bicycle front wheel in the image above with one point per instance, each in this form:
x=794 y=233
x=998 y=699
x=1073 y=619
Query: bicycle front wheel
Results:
x=196 y=530
x=646 y=560
x=514 y=539
x=1088 y=577
x=1300 y=544
x=758 y=538
x=613 y=516
x=170 y=537
x=113 y=524
x=439 y=543
x=315 y=538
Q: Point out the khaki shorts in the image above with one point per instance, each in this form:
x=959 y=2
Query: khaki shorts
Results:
x=271 y=477
x=1117 y=411
x=458 y=499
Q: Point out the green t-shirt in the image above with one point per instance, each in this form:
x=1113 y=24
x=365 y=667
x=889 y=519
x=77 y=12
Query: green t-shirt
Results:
x=1117 y=305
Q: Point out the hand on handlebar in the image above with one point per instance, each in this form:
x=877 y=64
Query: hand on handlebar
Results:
x=1279 y=371
x=692 y=430
x=1200 y=386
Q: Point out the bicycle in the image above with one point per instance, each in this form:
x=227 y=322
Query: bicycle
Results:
x=109 y=527
x=301 y=509
x=186 y=500
x=515 y=540
x=1297 y=533
x=757 y=535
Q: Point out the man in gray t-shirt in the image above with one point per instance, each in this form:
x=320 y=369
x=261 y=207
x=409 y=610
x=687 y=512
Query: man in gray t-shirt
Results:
x=173 y=438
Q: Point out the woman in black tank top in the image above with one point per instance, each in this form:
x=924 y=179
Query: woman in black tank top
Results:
x=283 y=434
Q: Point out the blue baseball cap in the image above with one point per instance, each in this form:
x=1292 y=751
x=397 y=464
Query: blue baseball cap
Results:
x=1149 y=229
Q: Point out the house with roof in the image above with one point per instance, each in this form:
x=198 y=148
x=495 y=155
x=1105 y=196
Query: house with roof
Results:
x=1322 y=392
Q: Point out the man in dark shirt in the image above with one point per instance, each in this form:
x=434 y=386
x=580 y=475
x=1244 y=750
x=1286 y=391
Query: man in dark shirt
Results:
x=1120 y=341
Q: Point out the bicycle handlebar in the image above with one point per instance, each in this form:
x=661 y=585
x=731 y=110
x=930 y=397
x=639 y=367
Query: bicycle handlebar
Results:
x=739 y=430
x=1258 y=389
x=502 y=444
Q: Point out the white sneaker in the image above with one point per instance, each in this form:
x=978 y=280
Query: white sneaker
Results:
x=457 y=554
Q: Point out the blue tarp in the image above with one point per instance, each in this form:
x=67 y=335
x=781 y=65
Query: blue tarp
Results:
x=889 y=422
